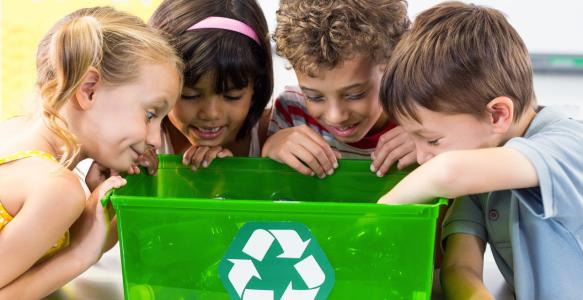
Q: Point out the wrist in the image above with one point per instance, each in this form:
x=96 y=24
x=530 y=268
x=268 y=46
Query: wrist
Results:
x=81 y=259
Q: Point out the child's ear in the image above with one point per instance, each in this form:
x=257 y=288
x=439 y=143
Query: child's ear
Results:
x=501 y=113
x=86 y=90
x=382 y=68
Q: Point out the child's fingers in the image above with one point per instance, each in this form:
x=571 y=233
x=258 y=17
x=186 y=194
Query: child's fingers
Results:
x=318 y=139
x=319 y=162
x=133 y=169
x=306 y=156
x=188 y=154
x=389 y=135
x=109 y=184
x=210 y=155
x=408 y=160
x=225 y=153
x=337 y=154
x=382 y=153
x=395 y=156
x=322 y=160
x=198 y=157
x=296 y=164
x=151 y=160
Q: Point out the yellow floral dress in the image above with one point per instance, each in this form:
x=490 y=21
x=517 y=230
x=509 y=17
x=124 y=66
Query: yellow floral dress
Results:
x=5 y=217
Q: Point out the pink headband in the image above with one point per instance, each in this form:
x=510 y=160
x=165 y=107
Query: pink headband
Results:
x=226 y=24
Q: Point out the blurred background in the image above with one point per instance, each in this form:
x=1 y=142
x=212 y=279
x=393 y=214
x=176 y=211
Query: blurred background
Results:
x=551 y=31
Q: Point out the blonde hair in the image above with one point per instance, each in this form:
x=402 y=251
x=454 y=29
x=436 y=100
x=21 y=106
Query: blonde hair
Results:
x=315 y=34
x=113 y=42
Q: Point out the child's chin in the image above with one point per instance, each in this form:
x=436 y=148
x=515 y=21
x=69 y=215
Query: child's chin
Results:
x=349 y=139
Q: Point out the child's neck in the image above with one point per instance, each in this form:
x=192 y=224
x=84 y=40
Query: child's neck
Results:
x=39 y=137
x=519 y=129
x=240 y=147
x=179 y=142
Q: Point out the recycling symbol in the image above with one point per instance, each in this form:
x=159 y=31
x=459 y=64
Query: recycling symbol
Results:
x=276 y=260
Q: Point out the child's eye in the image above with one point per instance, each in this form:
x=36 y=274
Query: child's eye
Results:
x=433 y=142
x=356 y=96
x=150 y=115
x=232 y=98
x=315 y=98
x=189 y=97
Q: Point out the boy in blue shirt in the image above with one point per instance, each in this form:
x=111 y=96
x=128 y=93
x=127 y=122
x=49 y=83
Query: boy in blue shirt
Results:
x=461 y=84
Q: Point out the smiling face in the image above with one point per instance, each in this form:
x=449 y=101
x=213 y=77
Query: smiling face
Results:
x=126 y=118
x=345 y=99
x=438 y=132
x=210 y=119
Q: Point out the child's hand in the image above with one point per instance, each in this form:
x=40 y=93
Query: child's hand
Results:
x=302 y=149
x=97 y=175
x=95 y=232
x=203 y=156
x=148 y=159
x=393 y=146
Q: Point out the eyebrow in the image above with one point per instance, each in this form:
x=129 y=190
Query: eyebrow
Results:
x=161 y=103
x=342 y=89
x=423 y=132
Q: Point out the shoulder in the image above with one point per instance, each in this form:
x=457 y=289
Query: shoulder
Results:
x=551 y=134
x=291 y=97
x=53 y=187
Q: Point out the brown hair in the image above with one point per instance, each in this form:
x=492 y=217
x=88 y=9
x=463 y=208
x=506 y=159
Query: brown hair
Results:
x=233 y=58
x=315 y=34
x=456 y=59
x=113 y=42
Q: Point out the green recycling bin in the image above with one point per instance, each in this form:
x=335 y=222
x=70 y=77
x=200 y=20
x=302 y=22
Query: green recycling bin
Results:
x=251 y=228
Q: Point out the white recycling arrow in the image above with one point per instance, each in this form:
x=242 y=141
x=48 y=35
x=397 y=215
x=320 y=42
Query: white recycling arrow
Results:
x=258 y=244
x=291 y=243
x=242 y=272
x=291 y=294
x=310 y=272
x=257 y=295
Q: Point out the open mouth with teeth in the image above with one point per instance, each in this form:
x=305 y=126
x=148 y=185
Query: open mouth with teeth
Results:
x=207 y=133
x=344 y=131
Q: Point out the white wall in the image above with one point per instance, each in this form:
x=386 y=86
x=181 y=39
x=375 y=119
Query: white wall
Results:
x=546 y=27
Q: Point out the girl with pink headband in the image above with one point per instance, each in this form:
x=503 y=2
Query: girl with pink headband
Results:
x=228 y=79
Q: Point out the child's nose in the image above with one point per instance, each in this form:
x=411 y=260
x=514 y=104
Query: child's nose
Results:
x=211 y=111
x=154 y=138
x=336 y=114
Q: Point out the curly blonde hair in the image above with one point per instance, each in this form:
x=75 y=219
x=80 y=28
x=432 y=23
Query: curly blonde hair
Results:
x=316 y=34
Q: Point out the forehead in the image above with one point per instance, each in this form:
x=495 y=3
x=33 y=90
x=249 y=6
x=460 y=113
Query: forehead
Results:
x=356 y=70
x=432 y=121
x=158 y=81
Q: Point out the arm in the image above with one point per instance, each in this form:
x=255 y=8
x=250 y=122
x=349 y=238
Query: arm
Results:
x=461 y=273
x=48 y=211
x=458 y=173
x=90 y=236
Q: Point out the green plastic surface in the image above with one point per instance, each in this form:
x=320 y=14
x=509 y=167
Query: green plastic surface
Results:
x=174 y=228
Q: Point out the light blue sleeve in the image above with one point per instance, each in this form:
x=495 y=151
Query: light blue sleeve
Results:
x=556 y=152
x=466 y=215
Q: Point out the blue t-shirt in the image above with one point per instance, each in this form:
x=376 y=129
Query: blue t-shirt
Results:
x=536 y=234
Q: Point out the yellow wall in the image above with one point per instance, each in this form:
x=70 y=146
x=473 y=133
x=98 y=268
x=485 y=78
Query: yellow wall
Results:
x=22 y=24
